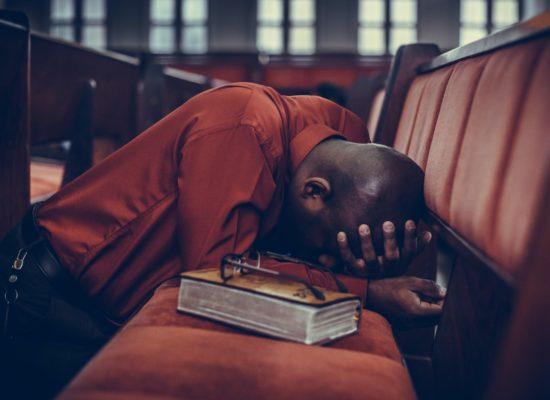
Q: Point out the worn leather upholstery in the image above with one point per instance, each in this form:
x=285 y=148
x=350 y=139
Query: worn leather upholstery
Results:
x=201 y=364
x=375 y=334
x=479 y=128
x=374 y=113
x=163 y=354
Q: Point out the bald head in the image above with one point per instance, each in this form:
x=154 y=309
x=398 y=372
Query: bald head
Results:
x=341 y=185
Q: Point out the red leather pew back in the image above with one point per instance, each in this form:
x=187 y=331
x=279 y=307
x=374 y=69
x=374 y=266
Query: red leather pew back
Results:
x=476 y=120
x=479 y=128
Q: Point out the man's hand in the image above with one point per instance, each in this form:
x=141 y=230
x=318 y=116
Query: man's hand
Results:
x=406 y=301
x=393 y=262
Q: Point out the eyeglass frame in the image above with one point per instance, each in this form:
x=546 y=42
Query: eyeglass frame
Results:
x=236 y=260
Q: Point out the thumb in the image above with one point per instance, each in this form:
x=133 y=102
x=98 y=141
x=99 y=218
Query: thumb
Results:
x=429 y=288
x=430 y=309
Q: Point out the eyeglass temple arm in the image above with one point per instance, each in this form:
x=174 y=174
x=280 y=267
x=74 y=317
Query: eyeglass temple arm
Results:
x=284 y=257
x=316 y=292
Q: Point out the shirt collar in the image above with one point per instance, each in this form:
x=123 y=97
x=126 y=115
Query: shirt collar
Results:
x=302 y=144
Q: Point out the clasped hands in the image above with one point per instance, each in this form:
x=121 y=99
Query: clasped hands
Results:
x=404 y=300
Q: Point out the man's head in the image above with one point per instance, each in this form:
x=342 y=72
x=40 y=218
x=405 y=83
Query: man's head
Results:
x=341 y=185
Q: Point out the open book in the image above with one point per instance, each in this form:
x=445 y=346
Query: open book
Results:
x=270 y=305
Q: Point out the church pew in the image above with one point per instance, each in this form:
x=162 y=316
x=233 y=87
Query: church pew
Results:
x=51 y=164
x=476 y=120
x=403 y=70
x=82 y=96
x=486 y=207
x=374 y=111
x=364 y=98
x=163 y=89
x=57 y=65
x=179 y=86
x=14 y=118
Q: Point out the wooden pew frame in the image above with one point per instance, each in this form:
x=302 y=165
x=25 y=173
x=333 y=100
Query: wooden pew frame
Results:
x=481 y=295
x=361 y=95
x=81 y=152
x=179 y=86
x=164 y=88
x=14 y=119
x=61 y=66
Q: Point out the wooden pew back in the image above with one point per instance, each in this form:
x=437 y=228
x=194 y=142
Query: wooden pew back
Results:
x=58 y=67
x=14 y=118
x=163 y=89
x=362 y=93
x=179 y=86
x=476 y=120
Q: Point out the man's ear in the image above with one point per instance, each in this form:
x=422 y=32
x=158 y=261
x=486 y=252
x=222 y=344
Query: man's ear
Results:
x=316 y=189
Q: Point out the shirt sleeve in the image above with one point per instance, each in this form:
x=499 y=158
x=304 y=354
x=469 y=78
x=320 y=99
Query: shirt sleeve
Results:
x=353 y=127
x=225 y=184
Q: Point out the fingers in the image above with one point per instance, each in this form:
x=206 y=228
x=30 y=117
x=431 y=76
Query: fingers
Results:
x=367 y=248
x=410 y=242
x=424 y=240
x=391 y=250
x=428 y=288
x=429 y=303
x=369 y=254
x=428 y=309
x=355 y=266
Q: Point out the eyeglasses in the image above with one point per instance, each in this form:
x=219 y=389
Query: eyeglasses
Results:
x=251 y=261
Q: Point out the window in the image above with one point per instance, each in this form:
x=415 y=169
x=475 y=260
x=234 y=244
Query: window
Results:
x=505 y=13
x=286 y=26
x=372 y=21
x=384 y=25
x=62 y=18
x=403 y=23
x=162 y=35
x=481 y=17
x=94 y=16
x=302 y=27
x=178 y=25
x=79 y=20
x=195 y=18
x=269 y=36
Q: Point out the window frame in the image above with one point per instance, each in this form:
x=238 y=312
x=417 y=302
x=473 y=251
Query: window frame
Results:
x=489 y=25
x=286 y=25
x=78 y=23
x=387 y=26
x=178 y=25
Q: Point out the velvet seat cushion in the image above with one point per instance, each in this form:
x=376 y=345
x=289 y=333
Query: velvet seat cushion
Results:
x=375 y=335
x=151 y=362
x=161 y=353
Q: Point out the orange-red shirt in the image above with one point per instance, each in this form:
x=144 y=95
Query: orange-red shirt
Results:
x=206 y=180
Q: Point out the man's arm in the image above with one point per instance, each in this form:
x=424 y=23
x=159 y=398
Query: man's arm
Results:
x=404 y=300
x=225 y=185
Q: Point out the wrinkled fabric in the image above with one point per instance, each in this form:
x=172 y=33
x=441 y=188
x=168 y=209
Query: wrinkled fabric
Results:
x=206 y=180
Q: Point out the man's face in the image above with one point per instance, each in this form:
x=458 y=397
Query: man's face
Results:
x=313 y=232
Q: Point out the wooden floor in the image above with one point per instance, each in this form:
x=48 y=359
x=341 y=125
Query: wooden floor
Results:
x=46 y=178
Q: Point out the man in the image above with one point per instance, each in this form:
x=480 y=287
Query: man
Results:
x=216 y=176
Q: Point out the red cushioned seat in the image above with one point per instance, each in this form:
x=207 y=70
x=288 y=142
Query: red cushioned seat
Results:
x=375 y=335
x=164 y=354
